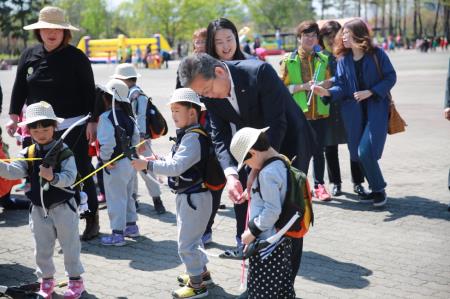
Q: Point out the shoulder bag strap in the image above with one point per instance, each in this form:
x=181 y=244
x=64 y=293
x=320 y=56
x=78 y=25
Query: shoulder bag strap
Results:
x=380 y=73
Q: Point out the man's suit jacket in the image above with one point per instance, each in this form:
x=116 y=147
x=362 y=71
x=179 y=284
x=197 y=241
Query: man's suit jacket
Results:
x=263 y=101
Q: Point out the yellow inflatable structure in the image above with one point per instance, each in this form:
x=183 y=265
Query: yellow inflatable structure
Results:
x=111 y=50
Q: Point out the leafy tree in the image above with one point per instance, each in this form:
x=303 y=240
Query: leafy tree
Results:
x=15 y=14
x=90 y=15
x=272 y=15
x=174 y=19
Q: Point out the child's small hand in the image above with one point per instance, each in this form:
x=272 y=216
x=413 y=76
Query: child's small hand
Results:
x=111 y=166
x=139 y=164
x=140 y=150
x=247 y=237
x=151 y=158
x=46 y=173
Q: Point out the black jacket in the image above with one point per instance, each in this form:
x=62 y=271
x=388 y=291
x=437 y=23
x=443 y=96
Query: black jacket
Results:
x=263 y=101
x=62 y=77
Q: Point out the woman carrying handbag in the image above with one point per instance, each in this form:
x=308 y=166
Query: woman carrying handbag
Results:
x=365 y=101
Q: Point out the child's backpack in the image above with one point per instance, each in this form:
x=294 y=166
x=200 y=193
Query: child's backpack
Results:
x=154 y=121
x=214 y=178
x=298 y=199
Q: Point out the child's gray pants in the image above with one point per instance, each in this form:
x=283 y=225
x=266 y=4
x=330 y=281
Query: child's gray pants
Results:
x=61 y=224
x=192 y=219
x=119 y=189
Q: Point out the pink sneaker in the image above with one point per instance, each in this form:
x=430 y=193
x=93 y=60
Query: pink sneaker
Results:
x=321 y=193
x=75 y=289
x=46 y=289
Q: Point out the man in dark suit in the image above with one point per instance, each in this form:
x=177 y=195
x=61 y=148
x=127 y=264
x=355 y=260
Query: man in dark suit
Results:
x=248 y=93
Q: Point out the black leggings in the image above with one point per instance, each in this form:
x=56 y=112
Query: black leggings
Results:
x=334 y=171
x=76 y=141
x=296 y=257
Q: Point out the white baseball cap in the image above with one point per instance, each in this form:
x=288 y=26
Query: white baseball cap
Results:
x=117 y=89
x=125 y=71
x=39 y=111
x=242 y=142
x=185 y=95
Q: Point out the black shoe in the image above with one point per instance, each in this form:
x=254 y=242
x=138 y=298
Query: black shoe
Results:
x=336 y=190
x=379 y=199
x=158 y=205
x=366 y=199
x=92 y=227
x=359 y=189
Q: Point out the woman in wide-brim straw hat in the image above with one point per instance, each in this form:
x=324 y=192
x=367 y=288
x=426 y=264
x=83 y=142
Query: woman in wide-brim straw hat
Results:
x=59 y=73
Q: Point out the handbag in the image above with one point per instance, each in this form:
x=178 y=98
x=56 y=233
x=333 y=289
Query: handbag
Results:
x=396 y=124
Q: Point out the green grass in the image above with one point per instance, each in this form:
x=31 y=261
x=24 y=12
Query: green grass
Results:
x=7 y=56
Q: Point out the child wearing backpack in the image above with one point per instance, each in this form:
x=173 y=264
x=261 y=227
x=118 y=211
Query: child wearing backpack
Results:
x=270 y=270
x=116 y=133
x=127 y=73
x=186 y=169
x=53 y=214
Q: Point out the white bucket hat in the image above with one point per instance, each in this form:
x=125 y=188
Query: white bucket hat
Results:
x=185 y=95
x=39 y=111
x=117 y=89
x=242 y=142
x=51 y=17
x=125 y=71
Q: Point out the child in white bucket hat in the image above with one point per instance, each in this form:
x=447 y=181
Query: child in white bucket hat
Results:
x=53 y=210
x=139 y=100
x=186 y=168
x=271 y=269
x=118 y=177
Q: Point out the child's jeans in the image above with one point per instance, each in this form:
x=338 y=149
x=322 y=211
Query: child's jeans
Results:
x=119 y=185
x=61 y=224
x=192 y=219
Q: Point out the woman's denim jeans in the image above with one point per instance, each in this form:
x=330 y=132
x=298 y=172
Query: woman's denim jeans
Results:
x=370 y=164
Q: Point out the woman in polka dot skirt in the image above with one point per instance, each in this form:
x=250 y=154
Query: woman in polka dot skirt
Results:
x=270 y=269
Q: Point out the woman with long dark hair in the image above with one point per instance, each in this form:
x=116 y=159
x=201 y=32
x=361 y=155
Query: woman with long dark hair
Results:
x=364 y=78
x=335 y=133
x=222 y=40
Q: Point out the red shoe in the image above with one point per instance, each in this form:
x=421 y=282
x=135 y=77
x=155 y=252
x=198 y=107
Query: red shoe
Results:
x=76 y=288
x=321 y=193
x=46 y=289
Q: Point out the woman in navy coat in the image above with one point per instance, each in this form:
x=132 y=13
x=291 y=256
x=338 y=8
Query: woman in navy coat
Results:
x=364 y=99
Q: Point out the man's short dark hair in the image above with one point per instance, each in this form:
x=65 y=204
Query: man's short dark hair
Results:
x=307 y=27
x=197 y=64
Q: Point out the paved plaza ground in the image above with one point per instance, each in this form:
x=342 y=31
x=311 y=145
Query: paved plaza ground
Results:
x=353 y=250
